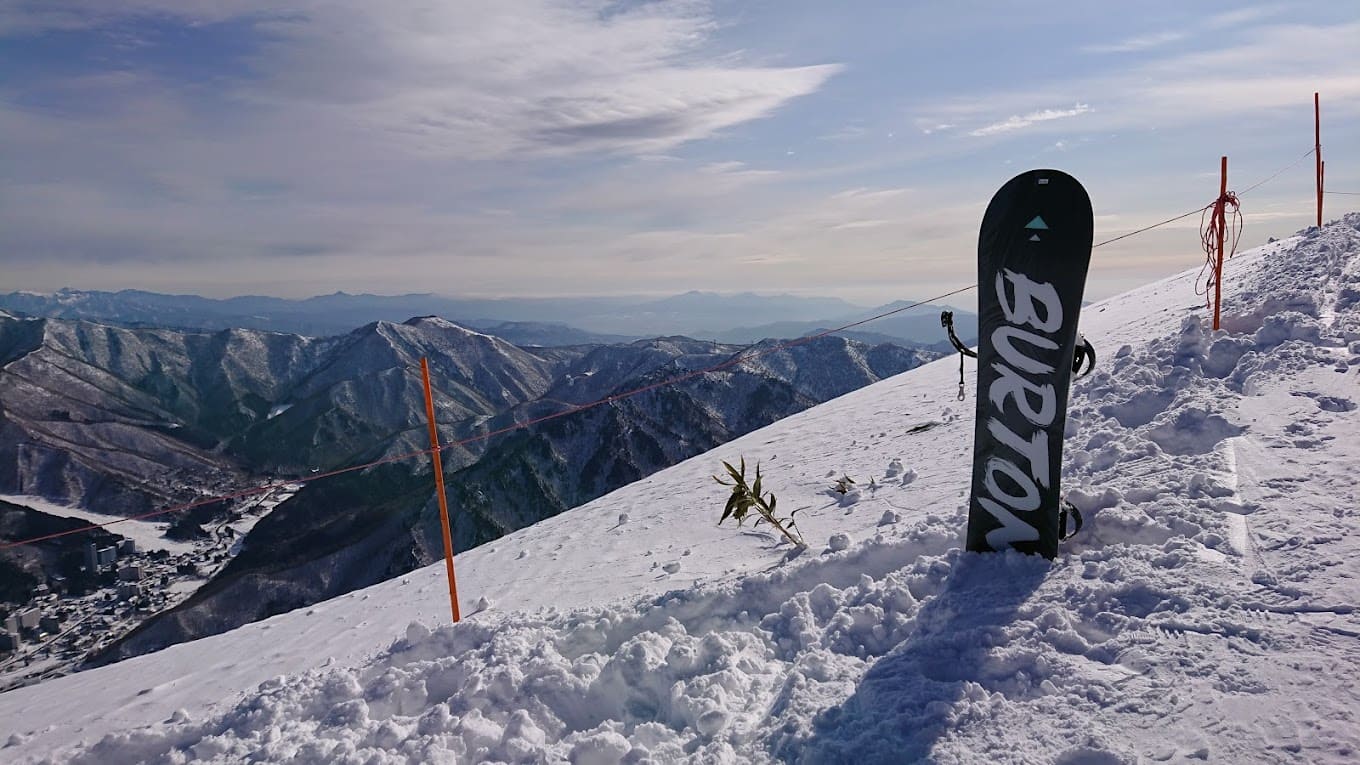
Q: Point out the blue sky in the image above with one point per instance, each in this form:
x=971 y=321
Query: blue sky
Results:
x=547 y=147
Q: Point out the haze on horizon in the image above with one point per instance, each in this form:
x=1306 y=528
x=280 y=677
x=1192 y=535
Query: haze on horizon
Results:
x=575 y=147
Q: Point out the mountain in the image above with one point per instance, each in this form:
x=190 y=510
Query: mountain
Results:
x=1207 y=612
x=23 y=568
x=317 y=316
x=131 y=420
x=364 y=398
x=917 y=326
x=569 y=461
x=705 y=312
x=532 y=321
x=535 y=333
x=741 y=318
x=126 y=420
x=367 y=527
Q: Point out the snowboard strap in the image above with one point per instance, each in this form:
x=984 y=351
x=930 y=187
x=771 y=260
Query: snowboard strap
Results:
x=1064 y=509
x=1084 y=351
x=1085 y=355
x=961 y=386
x=947 y=321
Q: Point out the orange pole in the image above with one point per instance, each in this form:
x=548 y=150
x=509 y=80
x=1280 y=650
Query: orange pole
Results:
x=439 y=487
x=1221 y=223
x=1317 y=153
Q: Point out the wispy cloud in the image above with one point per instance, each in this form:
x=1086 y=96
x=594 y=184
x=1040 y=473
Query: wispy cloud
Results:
x=1244 y=16
x=1270 y=68
x=936 y=127
x=479 y=80
x=529 y=77
x=846 y=133
x=1134 y=44
x=1016 y=122
x=378 y=128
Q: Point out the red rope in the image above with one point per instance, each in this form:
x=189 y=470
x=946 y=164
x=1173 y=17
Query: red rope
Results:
x=1208 y=235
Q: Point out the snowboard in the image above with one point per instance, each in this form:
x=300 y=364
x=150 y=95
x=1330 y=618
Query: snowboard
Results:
x=1033 y=253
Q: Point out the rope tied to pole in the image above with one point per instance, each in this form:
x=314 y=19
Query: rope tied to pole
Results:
x=1215 y=227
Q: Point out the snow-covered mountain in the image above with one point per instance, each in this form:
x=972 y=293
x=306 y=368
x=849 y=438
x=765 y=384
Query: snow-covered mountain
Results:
x=918 y=323
x=355 y=530
x=125 y=420
x=1207 y=613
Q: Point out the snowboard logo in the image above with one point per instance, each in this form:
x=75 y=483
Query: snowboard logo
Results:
x=1033 y=254
x=1024 y=380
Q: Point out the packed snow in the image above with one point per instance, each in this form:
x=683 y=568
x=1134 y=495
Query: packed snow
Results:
x=1206 y=613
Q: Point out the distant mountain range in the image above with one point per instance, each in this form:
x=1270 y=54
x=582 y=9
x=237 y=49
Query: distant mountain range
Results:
x=125 y=420
x=741 y=318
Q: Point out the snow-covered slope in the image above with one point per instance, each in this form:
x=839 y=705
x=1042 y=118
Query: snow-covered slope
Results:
x=1208 y=612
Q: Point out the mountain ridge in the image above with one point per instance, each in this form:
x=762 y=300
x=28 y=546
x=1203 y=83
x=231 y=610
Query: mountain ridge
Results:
x=525 y=321
x=521 y=476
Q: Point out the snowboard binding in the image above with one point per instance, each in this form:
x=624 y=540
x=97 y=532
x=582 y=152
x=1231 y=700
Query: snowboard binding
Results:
x=1085 y=354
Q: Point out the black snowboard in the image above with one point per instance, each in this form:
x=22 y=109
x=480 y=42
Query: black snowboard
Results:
x=1033 y=254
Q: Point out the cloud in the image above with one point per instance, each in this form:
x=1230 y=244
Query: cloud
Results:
x=1019 y=123
x=1244 y=16
x=359 y=133
x=862 y=223
x=475 y=80
x=1134 y=44
x=656 y=110
x=526 y=78
x=1265 y=69
x=1275 y=67
x=537 y=147
x=846 y=133
x=868 y=196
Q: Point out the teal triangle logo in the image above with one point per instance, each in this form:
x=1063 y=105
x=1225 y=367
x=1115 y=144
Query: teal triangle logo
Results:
x=1038 y=222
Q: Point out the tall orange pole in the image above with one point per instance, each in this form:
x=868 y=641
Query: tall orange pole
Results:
x=439 y=487
x=1317 y=153
x=1221 y=223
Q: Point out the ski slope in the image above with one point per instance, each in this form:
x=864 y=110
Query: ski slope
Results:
x=1207 y=612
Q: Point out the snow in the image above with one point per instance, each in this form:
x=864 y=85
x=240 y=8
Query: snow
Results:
x=149 y=535
x=1206 y=613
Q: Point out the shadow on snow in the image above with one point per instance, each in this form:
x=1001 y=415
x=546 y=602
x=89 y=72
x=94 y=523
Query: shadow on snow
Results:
x=906 y=702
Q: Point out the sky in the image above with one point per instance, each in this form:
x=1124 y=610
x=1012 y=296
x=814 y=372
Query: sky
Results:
x=576 y=147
